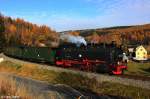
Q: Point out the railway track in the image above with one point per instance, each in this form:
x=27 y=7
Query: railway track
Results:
x=132 y=80
x=135 y=77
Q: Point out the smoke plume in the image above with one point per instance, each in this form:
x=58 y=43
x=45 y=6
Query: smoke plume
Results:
x=78 y=40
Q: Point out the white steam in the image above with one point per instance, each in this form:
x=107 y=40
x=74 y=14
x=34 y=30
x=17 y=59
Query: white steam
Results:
x=78 y=40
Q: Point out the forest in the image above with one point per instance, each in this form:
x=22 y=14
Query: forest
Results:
x=20 y=32
x=130 y=35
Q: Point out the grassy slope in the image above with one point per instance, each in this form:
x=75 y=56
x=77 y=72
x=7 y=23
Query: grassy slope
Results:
x=141 y=69
x=75 y=80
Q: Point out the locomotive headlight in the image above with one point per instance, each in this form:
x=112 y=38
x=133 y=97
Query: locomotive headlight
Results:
x=80 y=55
x=118 y=63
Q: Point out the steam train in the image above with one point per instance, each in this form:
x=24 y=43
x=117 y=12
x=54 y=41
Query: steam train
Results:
x=93 y=57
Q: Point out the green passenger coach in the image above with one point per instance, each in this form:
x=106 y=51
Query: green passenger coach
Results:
x=42 y=54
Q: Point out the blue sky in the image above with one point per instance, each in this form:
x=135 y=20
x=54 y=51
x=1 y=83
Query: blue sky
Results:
x=63 y=15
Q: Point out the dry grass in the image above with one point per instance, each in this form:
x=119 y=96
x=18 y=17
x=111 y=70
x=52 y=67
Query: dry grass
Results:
x=28 y=70
x=141 y=69
x=9 y=87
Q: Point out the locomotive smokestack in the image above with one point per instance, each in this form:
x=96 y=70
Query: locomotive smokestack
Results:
x=78 y=40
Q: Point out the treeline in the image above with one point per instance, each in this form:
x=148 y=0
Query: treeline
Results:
x=129 y=35
x=19 y=32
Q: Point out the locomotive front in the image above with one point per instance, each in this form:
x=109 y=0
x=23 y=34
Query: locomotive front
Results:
x=119 y=62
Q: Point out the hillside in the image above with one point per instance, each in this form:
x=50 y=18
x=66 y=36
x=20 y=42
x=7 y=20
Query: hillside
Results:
x=20 y=32
x=17 y=31
x=139 y=34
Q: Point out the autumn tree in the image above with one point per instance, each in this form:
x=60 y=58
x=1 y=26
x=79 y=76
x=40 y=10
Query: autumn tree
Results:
x=94 y=38
x=19 y=32
x=2 y=29
x=74 y=33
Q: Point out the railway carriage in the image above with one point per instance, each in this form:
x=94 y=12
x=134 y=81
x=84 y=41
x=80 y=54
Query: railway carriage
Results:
x=38 y=54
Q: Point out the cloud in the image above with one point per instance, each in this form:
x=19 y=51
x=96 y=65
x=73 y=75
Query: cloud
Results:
x=119 y=12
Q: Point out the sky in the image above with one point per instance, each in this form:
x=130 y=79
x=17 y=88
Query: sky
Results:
x=62 y=15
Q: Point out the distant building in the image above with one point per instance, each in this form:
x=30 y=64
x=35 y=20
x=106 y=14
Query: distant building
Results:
x=131 y=51
x=140 y=53
x=41 y=45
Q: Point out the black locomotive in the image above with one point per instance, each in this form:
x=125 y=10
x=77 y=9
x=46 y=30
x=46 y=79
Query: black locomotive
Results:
x=93 y=57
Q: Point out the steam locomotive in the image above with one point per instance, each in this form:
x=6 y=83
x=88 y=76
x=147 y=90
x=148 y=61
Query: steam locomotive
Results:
x=93 y=57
